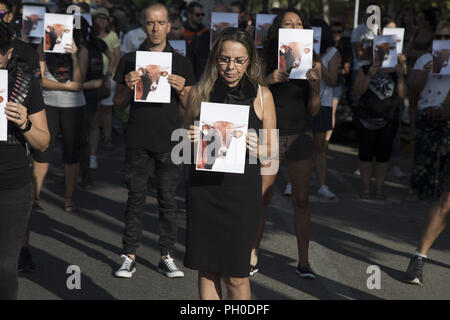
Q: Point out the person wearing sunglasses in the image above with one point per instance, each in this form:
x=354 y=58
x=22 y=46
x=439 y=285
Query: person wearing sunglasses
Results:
x=194 y=27
x=428 y=92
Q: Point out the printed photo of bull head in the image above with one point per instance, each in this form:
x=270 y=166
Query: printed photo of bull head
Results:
x=33 y=21
x=153 y=68
x=58 y=32
x=219 y=22
x=441 y=57
x=222 y=144
x=385 y=51
x=295 y=52
x=400 y=36
x=263 y=23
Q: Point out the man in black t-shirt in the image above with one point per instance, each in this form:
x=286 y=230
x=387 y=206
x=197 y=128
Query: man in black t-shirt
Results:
x=149 y=137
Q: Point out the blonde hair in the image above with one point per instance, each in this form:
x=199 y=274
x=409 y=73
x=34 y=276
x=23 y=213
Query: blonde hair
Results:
x=202 y=91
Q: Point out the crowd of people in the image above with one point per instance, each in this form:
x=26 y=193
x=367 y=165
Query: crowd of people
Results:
x=77 y=96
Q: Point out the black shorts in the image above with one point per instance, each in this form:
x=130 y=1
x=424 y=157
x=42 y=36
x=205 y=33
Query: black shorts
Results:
x=322 y=121
x=297 y=147
x=70 y=122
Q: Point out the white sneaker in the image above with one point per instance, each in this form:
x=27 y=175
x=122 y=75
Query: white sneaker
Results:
x=94 y=163
x=127 y=269
x=287 y=191
x=325 y=192
x=397 y=172
x=168 y=268
x=357 y=172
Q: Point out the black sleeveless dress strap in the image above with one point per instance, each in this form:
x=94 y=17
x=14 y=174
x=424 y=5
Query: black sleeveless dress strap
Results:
x=223 y=209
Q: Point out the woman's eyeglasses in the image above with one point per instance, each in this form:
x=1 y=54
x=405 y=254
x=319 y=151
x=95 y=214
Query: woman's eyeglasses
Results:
x=442 y=37
x=226 y=61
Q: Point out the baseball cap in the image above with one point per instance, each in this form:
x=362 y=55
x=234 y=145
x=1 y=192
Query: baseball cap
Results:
x=101 y=13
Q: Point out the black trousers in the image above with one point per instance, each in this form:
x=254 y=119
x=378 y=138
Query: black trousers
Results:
x=136 y=177
x=15 y=207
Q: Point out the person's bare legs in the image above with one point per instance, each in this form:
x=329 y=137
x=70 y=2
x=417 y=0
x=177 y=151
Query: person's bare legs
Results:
x=381 y=170
x=209 y=287
x=333 y=119
x=366 y=175
x=437 y=220
x=71 y=175
x=40 y=170
x=300 y=173
x=267 y=192
x=237 y=288
x=320 y=159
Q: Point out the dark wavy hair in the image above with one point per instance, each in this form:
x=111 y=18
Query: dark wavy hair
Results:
x=270 y=46
x=6 y=35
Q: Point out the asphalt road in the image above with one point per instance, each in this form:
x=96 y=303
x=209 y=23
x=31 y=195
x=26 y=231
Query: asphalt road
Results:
x=346 y=238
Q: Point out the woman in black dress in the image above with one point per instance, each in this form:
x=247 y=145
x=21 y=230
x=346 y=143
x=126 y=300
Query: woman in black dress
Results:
x=223 y=209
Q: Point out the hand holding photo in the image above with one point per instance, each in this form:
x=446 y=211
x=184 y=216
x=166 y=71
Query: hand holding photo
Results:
x=263 y=23
x=295 y=52
x=385 y=51
x=399 y=33
x=222 y=144
x=153 y=68
x=3 y=100
x=219 y=22
x=441 y=56
x=58 y=32
x=317 y=38
x=33 y=21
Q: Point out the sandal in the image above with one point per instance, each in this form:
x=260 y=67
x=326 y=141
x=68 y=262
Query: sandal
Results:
x=364 y=195
x=69 y=205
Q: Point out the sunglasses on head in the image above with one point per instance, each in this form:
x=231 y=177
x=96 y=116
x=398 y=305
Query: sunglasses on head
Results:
x=3 y=13
x=443 y=37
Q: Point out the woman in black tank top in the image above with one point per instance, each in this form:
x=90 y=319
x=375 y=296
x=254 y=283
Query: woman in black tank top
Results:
x=223 y=209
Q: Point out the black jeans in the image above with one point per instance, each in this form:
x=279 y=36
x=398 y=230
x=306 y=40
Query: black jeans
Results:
x=136 y=177
x=15 y=207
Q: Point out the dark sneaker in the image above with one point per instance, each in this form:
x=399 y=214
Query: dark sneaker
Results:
x=306 y=273
x=168 y=268
x=414 y=273
x=26 y=263
x=127 y=269
x=253 y=270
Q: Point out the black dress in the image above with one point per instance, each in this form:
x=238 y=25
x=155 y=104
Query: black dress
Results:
x=224 y=209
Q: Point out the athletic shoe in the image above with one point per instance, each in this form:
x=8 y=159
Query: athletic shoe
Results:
x=357 y=172
x=127 y=269
x=168 y=268
x=93 y=163
x=26 y=263
x=306 y=273
x=253 y=270
x=397 y=172
x=414 y=273
x=325 y=192
x=287 y=191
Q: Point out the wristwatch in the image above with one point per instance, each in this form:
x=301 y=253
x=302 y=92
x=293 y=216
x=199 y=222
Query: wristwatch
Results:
x=27 y=127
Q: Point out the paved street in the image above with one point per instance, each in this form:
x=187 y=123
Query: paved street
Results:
x=346 y=238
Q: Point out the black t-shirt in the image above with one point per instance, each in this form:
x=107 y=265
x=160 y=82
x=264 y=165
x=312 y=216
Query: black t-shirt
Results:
x=14 y=169
x=198 y=52
x=94 y=71
x=291 y=106
x=151 y=124
x=27 y=54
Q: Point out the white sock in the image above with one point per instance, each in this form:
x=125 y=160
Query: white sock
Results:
x=419 y=254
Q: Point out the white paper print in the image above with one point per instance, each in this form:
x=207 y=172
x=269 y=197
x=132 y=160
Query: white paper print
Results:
x=154 y=68
x=385 y=51
x=3 y=100
x=295 y=52
x=222 y=145
x=219 y=22
x=441 y=55
x=263 y=23
x=317 y=38
x=33 y=21
x=399 y=33
x=58 y=32
x=179 y=46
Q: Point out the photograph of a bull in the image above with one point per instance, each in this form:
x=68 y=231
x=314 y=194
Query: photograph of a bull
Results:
x=30 y=23
x=440 y=60
x=261 y=33
x=217 y=28
x=149 y=81
x=215 y=141
x=291 y=55
x=382 y=52
x=53 y=35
